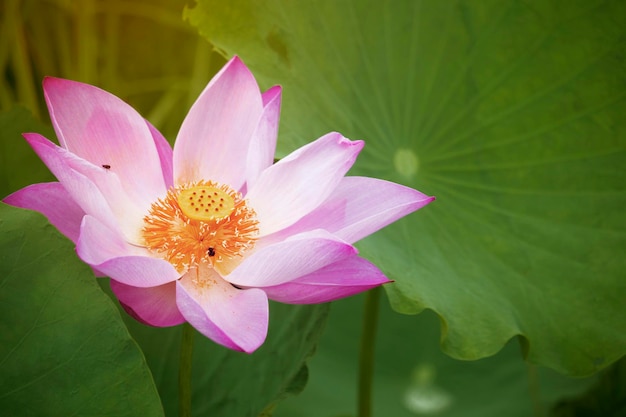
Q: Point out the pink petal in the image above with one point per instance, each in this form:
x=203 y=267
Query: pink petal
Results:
x=237 y=319
x=285 y=261
x=338 y=280
x=102 y=129
x=95 y=189
x=263 y=144
x=358 y=207
x=215 y=136
x=108 y=252
x=155 y=306
x=54 y=202
x=166 y=155
x=297 y=184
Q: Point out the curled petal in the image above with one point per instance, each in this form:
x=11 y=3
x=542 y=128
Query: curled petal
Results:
x=263 y=143
x=108 y=252
x=298 y=183
x=284 y=261
x=358 y=207
x=102 y=129
x=215 y=136
x=155 y=306
x=53 y=201
x=237 y=319
x=338 y=280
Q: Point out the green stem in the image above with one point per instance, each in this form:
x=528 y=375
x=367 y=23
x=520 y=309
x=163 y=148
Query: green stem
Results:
x=184 y=372
x=366 y=354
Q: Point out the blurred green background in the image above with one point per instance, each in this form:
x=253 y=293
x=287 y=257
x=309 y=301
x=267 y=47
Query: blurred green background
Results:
x=510 y=112
x=141 y=51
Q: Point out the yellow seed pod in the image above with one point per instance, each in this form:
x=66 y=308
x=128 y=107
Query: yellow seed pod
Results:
x=205 y=203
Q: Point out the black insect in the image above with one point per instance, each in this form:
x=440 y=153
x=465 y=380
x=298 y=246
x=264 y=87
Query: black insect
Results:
x=211 y=251
x=106 y=166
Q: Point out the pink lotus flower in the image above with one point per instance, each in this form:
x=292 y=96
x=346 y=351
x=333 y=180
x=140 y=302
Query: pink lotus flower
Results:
x=208 y=231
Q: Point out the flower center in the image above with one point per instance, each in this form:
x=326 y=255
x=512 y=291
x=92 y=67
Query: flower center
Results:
x=205 y=203
x=201 y=223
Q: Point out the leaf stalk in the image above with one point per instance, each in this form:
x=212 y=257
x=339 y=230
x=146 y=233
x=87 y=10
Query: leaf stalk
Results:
x=184 y=371
x=366 y=353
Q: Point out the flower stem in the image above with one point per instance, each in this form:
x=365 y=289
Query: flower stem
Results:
x=184 y=371
x=366 y=354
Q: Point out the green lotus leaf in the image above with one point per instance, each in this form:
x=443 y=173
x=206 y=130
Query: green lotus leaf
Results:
x=65 y=350
x=511 y=113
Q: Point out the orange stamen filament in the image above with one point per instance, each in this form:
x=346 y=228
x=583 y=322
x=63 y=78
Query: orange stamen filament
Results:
x=187 y=238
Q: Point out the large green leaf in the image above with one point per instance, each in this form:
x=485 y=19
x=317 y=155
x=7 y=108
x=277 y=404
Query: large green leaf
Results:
x=511 y=113
x=64 y=350
x=227 y=383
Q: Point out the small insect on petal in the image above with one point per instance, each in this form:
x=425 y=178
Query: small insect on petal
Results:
x=211 y=251
x=106 y=166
